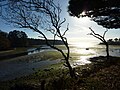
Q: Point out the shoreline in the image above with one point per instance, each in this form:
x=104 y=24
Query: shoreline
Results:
x=97 y=75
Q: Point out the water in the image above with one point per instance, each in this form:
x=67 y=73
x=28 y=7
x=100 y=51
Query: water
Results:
x=85 y=52
x=100 y=50
x=40 y=49
x=92 y=51
x=14 y=68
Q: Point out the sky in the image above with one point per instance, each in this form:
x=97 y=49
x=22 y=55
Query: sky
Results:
x=78 y=28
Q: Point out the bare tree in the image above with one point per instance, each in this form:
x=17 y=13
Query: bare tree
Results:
x=102 y=38
x=40 y=16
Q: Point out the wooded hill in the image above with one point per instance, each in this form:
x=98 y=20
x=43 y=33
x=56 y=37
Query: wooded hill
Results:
x=32 y=41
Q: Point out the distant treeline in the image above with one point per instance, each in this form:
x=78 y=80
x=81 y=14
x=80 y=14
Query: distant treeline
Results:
x=32 y=41
x=17 y=38
x=115 y=41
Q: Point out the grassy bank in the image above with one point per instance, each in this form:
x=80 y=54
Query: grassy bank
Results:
x=15 y=52
x=102 y=74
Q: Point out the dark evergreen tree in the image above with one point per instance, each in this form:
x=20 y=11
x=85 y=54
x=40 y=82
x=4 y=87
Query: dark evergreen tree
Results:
x=104 y=12
x=4 y=42
x=17 y=38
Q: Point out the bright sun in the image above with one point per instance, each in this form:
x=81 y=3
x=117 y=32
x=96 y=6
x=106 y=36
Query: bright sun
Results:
x=83 y=13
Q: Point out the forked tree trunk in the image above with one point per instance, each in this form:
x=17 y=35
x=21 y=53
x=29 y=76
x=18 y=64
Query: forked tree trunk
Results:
x=51 y=18
x=102 y=38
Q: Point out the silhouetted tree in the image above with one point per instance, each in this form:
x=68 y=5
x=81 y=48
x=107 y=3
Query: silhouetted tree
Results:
x=4 y=34
x=4 y=42
x=119 y=39
x=40 y=16
x=102 y=38
x=17 y=38
x=104 y=12
x=116 y=39
x=110 y=40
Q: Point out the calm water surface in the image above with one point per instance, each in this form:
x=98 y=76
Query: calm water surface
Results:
x=93 y=51
x=13 y=68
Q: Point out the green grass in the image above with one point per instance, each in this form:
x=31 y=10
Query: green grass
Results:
x=51 y=76
x=104 y=76
x=45 y=55
x=96 y=76
x=51 y=55
x=16 y=50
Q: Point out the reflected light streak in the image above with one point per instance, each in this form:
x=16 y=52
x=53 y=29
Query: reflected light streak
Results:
x=83 y=45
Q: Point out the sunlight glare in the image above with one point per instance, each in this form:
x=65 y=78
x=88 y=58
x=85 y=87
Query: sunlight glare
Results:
x=83 y=13
x=83 y=45
x=84 y=49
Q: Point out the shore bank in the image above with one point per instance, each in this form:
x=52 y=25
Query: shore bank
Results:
x=102 y=74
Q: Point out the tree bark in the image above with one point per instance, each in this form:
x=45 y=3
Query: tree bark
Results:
x=71 y=70
x=102 y=38
x=107 y=50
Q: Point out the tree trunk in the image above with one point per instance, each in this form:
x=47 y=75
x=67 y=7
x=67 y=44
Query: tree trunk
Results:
x=107 y=50
x=71 y=70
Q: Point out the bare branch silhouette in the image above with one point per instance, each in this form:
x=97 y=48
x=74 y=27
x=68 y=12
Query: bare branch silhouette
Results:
x=102 y=38
x=41 y=16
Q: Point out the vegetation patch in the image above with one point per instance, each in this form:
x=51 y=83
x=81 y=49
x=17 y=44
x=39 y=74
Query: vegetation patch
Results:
x=95 y=76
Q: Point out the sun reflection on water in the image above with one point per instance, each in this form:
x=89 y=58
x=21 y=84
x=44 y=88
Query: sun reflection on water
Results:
x=84 y=52
x=84 y=45
x=83 y=49
x=83 y=60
